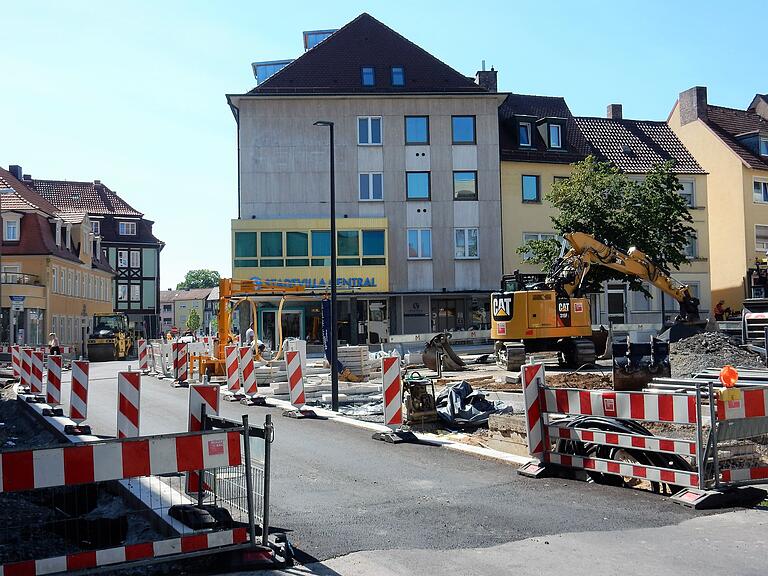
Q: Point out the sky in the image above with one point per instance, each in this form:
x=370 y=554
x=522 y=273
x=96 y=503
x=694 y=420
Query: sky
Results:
x=133 y=93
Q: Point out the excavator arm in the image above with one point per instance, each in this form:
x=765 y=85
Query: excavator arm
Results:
x=586 y=251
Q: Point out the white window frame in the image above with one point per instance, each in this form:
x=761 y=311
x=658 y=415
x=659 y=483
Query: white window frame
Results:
x=763 y=182
x=529 y=129
x=760 y=144
x=370 y=132
x=684 y=181
x=420 y=255
x=131 y=294
x=96 y=227
x=761 y=247
x=127 y=228
x=122 y=258
x=692 y=248
x=370 y=177
x=13 y=220
x=137 y=263
x=465 y=233
x=528 y=236
x=54 y=281
x=559 y=128
x=70 y=283
x=119 y=293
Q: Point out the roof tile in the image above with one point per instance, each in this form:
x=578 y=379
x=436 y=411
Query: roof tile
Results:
x=90 y=197
x=729 y=123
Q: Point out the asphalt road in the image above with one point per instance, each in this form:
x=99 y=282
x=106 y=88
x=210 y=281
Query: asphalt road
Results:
x=337 y=491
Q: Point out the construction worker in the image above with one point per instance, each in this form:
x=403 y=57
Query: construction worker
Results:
x=249 y=335
x=721 y=313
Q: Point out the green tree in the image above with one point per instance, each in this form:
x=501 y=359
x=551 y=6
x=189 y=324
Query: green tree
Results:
x=199 y=279
x=193 y=321
x=601 y=200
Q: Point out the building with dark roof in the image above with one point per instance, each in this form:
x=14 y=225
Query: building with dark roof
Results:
x=731 y=144
x=126 y=238
x=177 y=305
x=417 y=185
x=540 y=139
x=54 y=277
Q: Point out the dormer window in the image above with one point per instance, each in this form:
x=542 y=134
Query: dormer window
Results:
x=127 y=228
x=524 y=133
x=68 y=237
x=398 y=76
x=368 y=76
x=11 y=232
x=555 y=136
x=96 y=227
x=58 y=233
x=763 y=146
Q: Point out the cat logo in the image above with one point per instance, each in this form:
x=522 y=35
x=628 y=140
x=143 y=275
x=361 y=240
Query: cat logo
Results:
x=502 y=306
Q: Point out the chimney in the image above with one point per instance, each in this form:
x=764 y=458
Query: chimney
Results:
x=693 y=105
x=487 y=79
x=15 y=170
x=613 y=112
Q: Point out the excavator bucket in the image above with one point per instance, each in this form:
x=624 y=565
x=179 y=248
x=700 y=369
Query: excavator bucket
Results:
x=440 y=345
x=635 y=364
x=682 y=330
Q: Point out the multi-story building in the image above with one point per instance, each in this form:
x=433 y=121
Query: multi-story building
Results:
x=54 y=277
x=177 y=305
x=540 y=139
x=732 y=146
x=417 y=186
x=167 y=318
x=126 y=238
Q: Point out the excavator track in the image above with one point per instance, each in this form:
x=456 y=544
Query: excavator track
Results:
x=510 y=355
x=577 y=352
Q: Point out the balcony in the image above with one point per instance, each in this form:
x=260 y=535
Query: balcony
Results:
x=19 y=278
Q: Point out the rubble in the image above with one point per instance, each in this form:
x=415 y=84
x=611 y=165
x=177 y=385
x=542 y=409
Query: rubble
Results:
x=709 y=350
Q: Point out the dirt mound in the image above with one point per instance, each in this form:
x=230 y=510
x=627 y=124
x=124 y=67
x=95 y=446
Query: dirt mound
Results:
x=709 y=350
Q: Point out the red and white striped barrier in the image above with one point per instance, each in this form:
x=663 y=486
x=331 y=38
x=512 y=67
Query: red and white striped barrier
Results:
x=143 y=357
x=392 y=389
x=53 y=385
x=532 y=377
x=295 y=378
x=621 y=440
x=16 y=361
x=247 y=371
x=202 y=395
x=232 y=367
x=117 y=460
x=78 y=399
x=25 y=359
x=737 y=403
x=36 y=373
x=735 y=475
x=128 y=404
x=180 y=362
x=128 y=553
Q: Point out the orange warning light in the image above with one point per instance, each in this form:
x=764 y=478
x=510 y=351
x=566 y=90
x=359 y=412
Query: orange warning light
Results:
x=728 y=376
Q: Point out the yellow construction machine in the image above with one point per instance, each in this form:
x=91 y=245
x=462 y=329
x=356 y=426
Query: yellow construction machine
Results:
x=112 y=337
x=554 y=315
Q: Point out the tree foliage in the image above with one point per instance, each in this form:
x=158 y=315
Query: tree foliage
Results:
x=199 y=279
x=193 y=321
x=602 y=201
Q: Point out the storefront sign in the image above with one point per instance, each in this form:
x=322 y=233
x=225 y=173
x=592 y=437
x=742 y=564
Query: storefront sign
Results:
x=320 y=283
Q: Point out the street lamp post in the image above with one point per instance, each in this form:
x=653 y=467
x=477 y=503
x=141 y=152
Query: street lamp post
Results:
x=334 y=331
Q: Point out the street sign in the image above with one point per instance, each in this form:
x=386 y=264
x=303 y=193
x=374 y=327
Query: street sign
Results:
x=17 y=303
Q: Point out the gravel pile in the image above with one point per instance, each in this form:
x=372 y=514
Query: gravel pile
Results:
x=709 y=350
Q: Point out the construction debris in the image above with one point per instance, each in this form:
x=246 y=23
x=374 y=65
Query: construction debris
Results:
x=709 y=350
x=460 y=406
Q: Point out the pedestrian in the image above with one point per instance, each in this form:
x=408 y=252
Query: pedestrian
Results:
x=53 y=345
x=721 y=312
x=249 y=335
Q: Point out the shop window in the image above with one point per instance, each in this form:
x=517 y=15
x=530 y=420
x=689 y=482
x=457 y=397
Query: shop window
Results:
x=272 y=249
x=321 y=248
x=348 y=245
x=297 y=248
x=374 y=248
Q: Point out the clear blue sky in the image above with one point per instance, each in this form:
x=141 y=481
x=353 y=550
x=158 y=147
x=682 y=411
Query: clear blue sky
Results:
x=132 y=93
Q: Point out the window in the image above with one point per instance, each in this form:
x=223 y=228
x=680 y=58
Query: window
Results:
x=761 y=191
x=135 y=293
x=524 y=133
x=245 y=247
x=127 y=228
x=11 y=230
x=529 y=236
x=465 y=185
x=465 y=243
x=369 y=130
x=761 y=238
x=687 y=192
x=297 y=248
x=691 y=251
x=77 y=284
x=166 y=307
x=348 y=245
x=272 y=249
x=419 y=243
x=555 y=131
x=463 y=129
x=62 y=282
x=373 y=248
x=398 y=76
x=135 y=259
x=122 y=292
x=417 y=186
x=531 y=191
x=417 y=129
x=54 y=280
x=368 y=76
x=763 y=146
x=122 y=258
x=321 y=247
x=371 y=186
x=96 y=227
